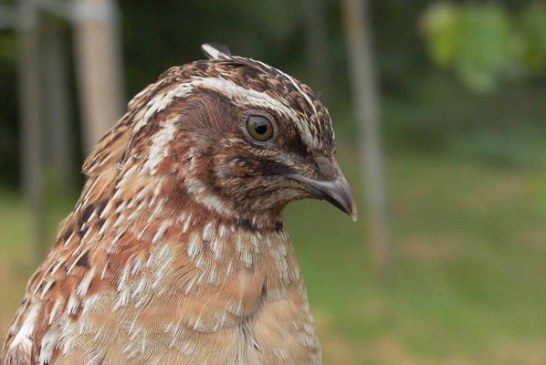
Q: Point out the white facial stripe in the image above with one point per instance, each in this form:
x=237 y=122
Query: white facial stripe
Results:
x=161 y=101
x=243 y=96
x=203 y=196
x=160 y=142
x=252 y=98
x=240 y=96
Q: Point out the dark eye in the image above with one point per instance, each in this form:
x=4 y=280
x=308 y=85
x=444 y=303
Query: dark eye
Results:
x=259 y=127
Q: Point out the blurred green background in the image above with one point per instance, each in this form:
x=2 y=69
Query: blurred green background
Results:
x=463 y=100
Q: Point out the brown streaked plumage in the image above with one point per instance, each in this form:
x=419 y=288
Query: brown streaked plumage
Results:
x=176 y=252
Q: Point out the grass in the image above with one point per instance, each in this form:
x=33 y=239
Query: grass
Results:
x=468 y=277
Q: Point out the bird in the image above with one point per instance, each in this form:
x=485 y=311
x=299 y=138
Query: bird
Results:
x=176 y=251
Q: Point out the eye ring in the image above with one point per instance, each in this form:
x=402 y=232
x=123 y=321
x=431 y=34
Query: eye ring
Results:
x=259 y=126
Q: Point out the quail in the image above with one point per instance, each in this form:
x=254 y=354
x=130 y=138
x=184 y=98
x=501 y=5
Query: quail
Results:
x=176 y=252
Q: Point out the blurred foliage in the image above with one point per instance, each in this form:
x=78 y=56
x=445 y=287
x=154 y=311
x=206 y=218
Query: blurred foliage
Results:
x=484 y=43
x=533 y=22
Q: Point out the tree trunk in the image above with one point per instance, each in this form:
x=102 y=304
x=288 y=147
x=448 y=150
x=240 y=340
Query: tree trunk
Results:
x=99 y=67
x=366 y=101
x=318 y=51
x=57 y=104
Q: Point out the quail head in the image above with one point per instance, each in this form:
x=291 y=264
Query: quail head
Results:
x=175 y=252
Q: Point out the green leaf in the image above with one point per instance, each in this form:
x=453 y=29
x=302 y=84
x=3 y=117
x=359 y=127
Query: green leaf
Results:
x=533 y=24
x=441 y=25
x=481 y=42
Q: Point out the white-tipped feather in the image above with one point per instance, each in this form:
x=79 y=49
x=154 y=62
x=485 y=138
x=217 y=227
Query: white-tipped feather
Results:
x=212 y=52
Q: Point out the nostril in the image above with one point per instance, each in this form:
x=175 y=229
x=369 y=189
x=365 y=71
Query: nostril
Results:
x=326 y=167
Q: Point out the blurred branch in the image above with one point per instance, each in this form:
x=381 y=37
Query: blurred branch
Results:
x=80 y=11
x=366 y=102
x=98 y=11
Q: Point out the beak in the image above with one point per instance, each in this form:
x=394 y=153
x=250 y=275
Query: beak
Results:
x=335 y=191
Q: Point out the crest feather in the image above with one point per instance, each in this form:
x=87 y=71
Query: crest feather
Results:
x=215 y=51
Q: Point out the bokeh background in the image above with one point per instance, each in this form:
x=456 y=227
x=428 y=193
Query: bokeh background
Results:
x=455 y=274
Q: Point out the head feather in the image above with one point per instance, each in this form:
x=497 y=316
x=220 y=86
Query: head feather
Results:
x=216 y=51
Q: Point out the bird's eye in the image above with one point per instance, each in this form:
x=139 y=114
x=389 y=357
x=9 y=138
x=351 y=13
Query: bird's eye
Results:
x=259 y=127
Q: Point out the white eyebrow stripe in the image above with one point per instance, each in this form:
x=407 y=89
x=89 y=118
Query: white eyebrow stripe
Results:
x=239 y=95
x=160 y=143
x=243 y=96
